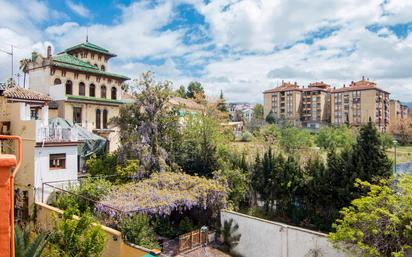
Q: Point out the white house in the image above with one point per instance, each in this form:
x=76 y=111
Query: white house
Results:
x=49 y=153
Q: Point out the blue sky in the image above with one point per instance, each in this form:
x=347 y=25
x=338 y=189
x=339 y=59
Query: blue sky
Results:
x=239 y=46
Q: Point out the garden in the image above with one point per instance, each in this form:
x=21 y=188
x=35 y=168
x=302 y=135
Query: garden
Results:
x=167 y=179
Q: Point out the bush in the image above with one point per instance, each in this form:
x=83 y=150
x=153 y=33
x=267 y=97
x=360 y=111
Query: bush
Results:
x=185 y=225
x=72 y=237
x=137 y=230
x=102 y=166
x=89 y=188
x=246 y=137
x=163 y=227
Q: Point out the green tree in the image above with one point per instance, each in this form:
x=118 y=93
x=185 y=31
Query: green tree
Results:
x=148 y=126
x=195 y=88
x=24 y=246
x=369 y=159
x=379 y=223
x=293 y=139
x=335 y=137
x=270 y=118
x=77 y=237
x=181 y=92
x=229 y=233
x=221 y=106
x=24 y=66
x=137 y=230
x=198 y=151
x=258 y=112
x=238 y=184
x=104 y=165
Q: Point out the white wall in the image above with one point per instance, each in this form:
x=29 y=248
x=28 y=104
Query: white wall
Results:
x=42 y=173
x=263 y=238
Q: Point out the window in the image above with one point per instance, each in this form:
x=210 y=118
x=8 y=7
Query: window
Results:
x=95 y=65
x=34 y=113
x=114 y=93
x=102 y=68
x=57 y=82
x=103 y=92
x=92 y=90
x=82 y=88
x=98 y=118
x=105 y=119
x=77 y=115
x=69 y=87
x=57 y=161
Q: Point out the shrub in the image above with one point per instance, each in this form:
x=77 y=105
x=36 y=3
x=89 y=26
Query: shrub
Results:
x=246 y=137
x=137 y=230
x=102 y=166
x=185 y=225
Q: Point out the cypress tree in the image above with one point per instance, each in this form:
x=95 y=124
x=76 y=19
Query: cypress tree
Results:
x=369 y=159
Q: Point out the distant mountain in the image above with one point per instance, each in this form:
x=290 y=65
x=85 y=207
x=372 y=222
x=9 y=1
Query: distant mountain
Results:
x=409 y=104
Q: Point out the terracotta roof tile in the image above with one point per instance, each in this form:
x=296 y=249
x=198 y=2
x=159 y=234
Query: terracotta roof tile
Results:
x=284 y=87
x=359 y=85
x=22 y=93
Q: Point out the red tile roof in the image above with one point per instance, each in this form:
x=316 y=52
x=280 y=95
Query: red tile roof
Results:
x=26 y=94
x=359 y=85
x=286 y=86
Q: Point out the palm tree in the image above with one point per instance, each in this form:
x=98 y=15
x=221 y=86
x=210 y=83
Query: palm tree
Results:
x=24 y=66
x=229 y=232
x=24 y=247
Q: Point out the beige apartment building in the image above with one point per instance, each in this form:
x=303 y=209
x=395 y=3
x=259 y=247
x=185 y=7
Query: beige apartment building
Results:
x=357 y=103
x=284 y=102
x=83 y=90
x=316 y=105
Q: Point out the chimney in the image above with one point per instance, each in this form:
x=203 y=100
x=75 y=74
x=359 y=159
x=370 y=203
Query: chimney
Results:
x=363 y=77
x=48 y=51
x=344 y=85
x=296 y=83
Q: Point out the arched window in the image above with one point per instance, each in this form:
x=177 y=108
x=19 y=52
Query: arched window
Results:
x=92 y=90
x=95 y=65
x=103 y=92
x=102 y=68
x=98 y=119
x=69 y=87
x=57 y=81
x=114 y=93
x=105 y=119
x=82 y=88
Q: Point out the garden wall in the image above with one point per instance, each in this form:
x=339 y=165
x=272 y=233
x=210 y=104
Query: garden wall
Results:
x=261 y=237
x=115 y=246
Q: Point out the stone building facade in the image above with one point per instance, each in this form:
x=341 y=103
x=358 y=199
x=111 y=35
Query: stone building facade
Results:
x=83 y=90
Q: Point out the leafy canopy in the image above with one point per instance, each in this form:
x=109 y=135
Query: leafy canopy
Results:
x=380 y=223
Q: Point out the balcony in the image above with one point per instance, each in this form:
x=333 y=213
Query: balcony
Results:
x=56 y=135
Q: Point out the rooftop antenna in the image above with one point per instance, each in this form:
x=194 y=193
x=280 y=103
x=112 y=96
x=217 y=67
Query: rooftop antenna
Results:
x=12 y=58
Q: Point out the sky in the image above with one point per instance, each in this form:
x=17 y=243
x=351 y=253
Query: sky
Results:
x=241 y=47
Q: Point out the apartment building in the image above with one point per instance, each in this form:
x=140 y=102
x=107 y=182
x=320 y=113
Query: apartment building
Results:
x=284 y=102
x=83 y=90
x=316 y=105
x=357 y=103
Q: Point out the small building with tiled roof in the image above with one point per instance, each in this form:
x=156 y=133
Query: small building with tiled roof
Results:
x=83 y=89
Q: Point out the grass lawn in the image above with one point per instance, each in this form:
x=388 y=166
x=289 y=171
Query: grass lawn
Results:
x=403 y=153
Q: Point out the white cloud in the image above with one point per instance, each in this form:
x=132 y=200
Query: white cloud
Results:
x=253 y=43
x=78 y=8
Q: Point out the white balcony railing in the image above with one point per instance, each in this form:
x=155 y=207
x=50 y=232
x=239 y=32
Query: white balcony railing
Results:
x=47 y=134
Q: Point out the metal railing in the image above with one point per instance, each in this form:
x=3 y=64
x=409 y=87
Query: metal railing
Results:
x=48 y=134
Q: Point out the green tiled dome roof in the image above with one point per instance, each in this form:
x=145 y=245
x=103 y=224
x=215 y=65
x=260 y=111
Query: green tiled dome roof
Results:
x=68 y=61
x=91 y=47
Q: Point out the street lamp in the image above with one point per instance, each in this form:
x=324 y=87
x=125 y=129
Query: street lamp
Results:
x=394 y=145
